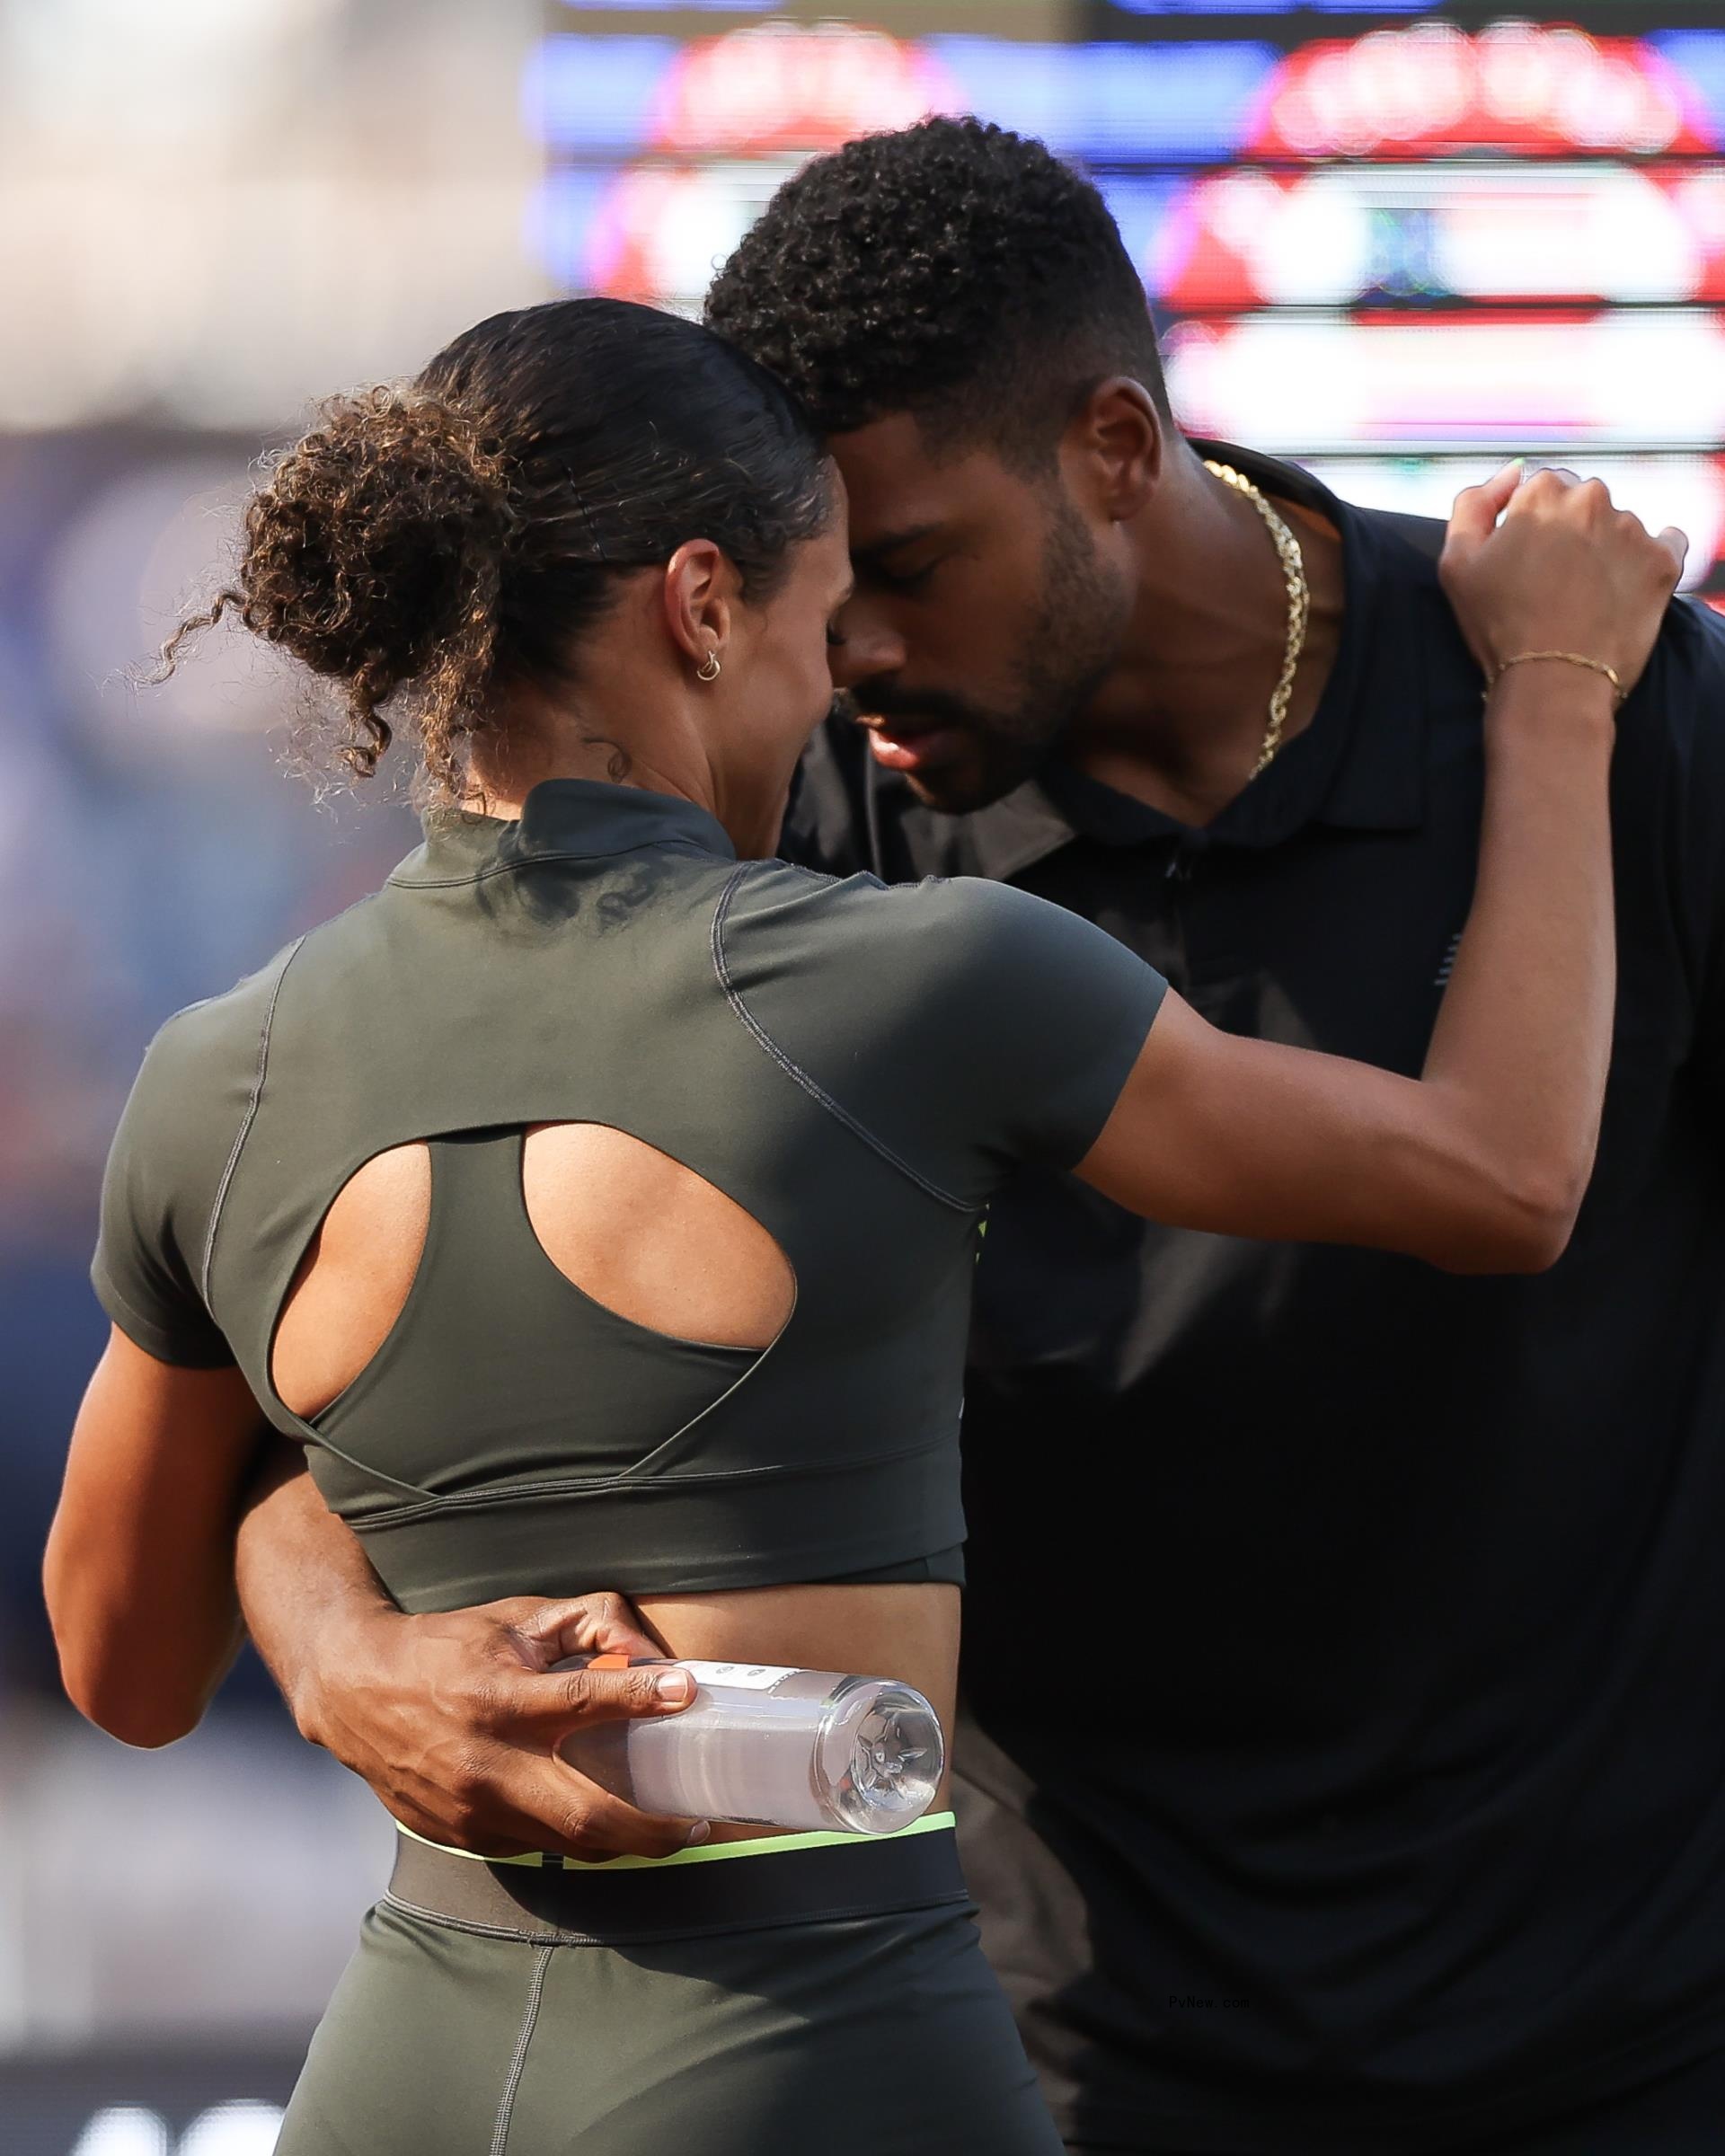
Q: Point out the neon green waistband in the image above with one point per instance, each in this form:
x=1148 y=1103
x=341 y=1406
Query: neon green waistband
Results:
x=709 y=1852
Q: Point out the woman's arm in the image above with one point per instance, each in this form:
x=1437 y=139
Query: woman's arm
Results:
x=1478 y=1165
x=453 y=1719
x=139 y=1569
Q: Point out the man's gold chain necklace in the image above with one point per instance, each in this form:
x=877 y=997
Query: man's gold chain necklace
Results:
x=1299 y=606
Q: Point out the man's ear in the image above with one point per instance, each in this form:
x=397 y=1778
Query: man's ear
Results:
x=1113 y=448
x=699 y=593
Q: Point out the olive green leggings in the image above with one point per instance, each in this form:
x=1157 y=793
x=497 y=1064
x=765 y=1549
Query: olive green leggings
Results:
x=878 y=2033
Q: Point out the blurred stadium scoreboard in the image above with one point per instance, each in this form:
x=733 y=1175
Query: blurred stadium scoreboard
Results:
x=1395 y=245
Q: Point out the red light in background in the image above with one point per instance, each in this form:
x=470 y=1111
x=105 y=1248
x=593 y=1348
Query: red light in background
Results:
x=776 y=87
x=1528 y=87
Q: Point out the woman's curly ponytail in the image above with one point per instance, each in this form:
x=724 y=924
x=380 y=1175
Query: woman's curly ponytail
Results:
x=421 y=548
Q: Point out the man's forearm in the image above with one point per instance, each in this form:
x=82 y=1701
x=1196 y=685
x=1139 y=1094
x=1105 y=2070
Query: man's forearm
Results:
x=454 y=1719
x=298 y=1569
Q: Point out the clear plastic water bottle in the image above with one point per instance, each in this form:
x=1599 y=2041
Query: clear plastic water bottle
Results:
x=800 y=1749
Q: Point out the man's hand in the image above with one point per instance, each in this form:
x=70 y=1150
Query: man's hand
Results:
x=454 y=1720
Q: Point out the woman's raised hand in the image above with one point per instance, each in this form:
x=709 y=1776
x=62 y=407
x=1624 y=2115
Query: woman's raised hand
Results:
x=1546 y=563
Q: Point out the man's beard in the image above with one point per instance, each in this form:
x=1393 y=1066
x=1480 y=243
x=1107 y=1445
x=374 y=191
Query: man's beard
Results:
x=1064 y=659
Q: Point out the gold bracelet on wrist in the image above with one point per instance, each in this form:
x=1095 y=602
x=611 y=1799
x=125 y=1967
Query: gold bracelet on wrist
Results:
x=1573 y=658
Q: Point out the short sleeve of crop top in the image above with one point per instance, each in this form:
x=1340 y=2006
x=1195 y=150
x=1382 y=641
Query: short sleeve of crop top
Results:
x=164 y=1170
x=963 y=1025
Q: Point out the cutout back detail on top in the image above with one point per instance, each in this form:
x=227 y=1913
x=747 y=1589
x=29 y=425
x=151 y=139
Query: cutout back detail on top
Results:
x=652 y=1239
x=349 y=1288
x=629 y=1229
x=491 y=1320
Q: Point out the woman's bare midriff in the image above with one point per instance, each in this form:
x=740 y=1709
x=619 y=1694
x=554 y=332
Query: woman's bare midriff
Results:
x=908 y=1631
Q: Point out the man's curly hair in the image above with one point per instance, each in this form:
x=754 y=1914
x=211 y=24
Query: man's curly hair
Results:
x=953 y=270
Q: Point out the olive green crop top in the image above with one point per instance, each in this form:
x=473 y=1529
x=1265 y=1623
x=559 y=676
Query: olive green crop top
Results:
x=857 y=1066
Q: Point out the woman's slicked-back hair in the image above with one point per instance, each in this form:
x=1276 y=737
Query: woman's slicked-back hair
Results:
x=422 y=548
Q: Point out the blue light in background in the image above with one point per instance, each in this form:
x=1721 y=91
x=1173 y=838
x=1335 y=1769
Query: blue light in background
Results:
x=1177 y=102
x=1139 y=205
x=1699 y=56
x=582 y=92
x=560 y=217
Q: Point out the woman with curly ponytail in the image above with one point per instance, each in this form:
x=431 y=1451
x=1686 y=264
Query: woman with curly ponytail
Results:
x=428 y=552
x=375 y=556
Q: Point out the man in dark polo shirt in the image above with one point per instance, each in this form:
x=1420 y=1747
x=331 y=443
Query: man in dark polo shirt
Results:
x=1342 y=1769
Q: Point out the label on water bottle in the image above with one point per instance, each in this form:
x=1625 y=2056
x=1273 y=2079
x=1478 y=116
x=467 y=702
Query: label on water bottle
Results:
x=741 y=1676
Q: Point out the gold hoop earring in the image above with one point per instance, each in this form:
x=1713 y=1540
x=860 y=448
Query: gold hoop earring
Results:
x=709 y=669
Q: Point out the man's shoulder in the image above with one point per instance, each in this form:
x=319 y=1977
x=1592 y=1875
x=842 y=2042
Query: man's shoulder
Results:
x=1693 y=638
x=1405 y=539
x=1691 y=648
x=1681 y=695
x=1412 y=539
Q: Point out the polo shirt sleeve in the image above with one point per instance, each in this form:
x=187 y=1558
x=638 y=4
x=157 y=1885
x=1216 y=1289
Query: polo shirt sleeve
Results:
x=150 y=1249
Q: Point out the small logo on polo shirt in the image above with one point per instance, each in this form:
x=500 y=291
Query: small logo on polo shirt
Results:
x=1449 y=966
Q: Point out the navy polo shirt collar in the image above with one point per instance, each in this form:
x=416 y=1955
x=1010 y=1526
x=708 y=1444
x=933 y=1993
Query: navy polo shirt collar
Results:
x=1359 y=764
x=562 y=819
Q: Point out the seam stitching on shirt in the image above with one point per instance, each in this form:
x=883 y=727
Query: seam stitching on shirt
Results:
x=245 y=1131
x=529 y=2022
x=628 y=1479
x=794 y=1070
x=530 y=860
x=417 y=1493
x=643 y=1472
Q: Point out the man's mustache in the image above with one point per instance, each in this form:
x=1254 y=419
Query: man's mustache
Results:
x=930 y=708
